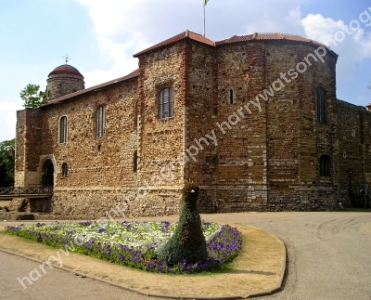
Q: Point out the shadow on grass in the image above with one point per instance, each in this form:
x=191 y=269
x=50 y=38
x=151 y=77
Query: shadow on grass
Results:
x=251 y=272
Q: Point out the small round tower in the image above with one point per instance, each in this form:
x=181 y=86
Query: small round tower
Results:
x=64 y=80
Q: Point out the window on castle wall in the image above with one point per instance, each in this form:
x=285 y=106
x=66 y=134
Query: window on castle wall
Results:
x=135 y=161
x=100 y=118
x=325 y=166
x=136 y=115
x=165 y=103
x=63 y=130
x=321 y=105
x=231 y=96
x=64 y=170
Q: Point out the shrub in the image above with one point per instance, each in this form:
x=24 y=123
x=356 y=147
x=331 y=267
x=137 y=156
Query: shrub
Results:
x=188 y=242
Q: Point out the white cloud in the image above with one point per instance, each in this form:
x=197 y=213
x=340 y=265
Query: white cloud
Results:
x=114 y=22
x=8 y=117
x=294 y=17
x=352 y=45
x=123 y=28
x=123 y=62
x=112 y=17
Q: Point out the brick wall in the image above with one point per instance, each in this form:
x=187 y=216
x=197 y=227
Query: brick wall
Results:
x=245 y=152
x=160 y=141
x=63 y=84
x=95 y=164
x=296 y=139
x=354 y=156
x=28 y=150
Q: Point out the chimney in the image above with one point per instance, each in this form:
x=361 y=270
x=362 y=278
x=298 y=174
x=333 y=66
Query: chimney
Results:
x=368 y=107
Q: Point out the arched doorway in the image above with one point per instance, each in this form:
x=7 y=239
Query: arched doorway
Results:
x=48 y=174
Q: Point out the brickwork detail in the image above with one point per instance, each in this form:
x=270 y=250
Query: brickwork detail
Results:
x=246 y=134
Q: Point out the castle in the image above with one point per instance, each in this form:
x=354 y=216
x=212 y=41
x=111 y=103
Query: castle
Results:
x=253 y=120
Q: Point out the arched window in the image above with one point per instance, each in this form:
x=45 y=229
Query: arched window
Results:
x=135 y=161
x=165 y=103
x=100 y=117
x=48 y=174
x=64 y=170
x=63 y=130
x=231 y=96
x=321 y=105
x=325 y=166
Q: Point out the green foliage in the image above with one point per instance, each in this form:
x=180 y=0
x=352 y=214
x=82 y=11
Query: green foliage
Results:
x=188 y=242
x=32 y=97
x=7 y=163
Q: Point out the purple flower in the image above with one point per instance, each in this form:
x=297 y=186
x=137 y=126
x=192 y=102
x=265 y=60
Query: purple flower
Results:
x=85 y=223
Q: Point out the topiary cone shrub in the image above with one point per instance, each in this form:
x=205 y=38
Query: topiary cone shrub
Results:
x=188 y=242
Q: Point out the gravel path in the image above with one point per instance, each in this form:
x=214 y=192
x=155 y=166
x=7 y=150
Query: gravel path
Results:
x=329 y=258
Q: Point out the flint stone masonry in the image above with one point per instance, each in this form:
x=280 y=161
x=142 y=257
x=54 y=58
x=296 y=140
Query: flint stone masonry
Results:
x=64 y=80
x=245 y=133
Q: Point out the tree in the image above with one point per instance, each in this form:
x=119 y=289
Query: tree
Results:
x=32 y=97
x=7 y=163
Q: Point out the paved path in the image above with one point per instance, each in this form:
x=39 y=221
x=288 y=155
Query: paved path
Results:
x=56 y=284
x=329 y=253
x=329 y=258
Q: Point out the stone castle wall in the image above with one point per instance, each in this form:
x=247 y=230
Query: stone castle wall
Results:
x=95 y=164
x=296 y=139
x=354 y=154
x=245 y=152
x=28 y=132
x=236 y=166
x=63 y=84
x=267 y=157
x=160 y=141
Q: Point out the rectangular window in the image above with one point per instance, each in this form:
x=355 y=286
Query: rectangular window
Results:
x=100 y=121
x=165 y=103
x=325 y=165
x=231 y=96
x=321 y=105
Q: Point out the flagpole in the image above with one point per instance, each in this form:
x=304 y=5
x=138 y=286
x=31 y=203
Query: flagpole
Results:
x=203 y=4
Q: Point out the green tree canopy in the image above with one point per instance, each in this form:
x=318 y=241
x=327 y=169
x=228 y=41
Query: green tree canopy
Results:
x=32 y=96
x=7 y=163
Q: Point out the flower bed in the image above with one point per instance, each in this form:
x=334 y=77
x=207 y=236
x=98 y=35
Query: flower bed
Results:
x=132 y=243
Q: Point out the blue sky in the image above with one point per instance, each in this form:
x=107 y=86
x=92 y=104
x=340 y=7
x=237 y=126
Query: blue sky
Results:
x=101 y=37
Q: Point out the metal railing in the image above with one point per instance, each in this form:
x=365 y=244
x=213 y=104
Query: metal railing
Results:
x=27 y=190
x=360 y=195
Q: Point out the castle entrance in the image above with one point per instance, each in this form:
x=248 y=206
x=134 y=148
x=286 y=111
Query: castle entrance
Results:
x=48 y=174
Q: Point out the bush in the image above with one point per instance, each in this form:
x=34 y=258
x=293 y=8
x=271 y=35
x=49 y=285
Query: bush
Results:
x=188 y=242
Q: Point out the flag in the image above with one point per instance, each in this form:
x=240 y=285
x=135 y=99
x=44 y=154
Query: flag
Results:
x=205 y=2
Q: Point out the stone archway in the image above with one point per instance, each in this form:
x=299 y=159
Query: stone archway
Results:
x=48 y=174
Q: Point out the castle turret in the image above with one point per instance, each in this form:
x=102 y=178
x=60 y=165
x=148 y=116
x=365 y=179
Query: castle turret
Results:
x=64 y=80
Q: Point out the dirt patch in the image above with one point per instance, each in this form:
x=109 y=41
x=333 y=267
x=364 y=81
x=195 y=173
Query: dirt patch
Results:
x=365 y=228
x=258 y=268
